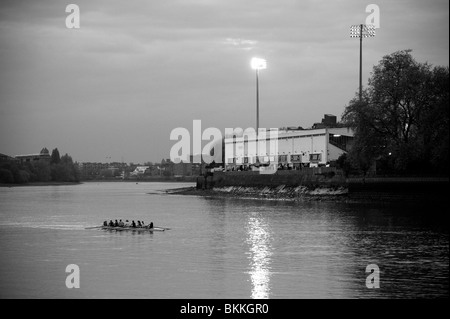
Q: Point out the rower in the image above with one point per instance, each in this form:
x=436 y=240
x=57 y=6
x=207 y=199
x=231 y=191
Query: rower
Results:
x=121 y=224
x=139 y=224
x=105 y=223
x=111 y=224
x=133 y=224
x=151 y=225
x=116 y=223
x=127 y=223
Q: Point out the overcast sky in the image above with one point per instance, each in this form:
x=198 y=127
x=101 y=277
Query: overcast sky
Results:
x=114 y=89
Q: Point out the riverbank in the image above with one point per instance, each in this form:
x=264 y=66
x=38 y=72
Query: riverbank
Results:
x=431 y=192
x=98 y=181
x=280 y=193
x=188 y=179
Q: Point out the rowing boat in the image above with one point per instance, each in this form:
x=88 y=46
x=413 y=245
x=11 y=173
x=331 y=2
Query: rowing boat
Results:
x=130 y=228
x=133 y=228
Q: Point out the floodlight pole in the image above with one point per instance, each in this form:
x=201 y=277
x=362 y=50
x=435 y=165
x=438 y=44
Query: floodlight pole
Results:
x=257 y=64
x=360 y=61
x=361 y=31
x=257 y=101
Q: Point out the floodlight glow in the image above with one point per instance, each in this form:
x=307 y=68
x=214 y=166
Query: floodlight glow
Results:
x=362 y=31
x=258 y=64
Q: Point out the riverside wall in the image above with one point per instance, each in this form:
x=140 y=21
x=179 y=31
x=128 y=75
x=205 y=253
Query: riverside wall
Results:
x=311 y=177
x=326 y=180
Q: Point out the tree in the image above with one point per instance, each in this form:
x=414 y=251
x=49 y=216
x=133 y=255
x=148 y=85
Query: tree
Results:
x=435 y=122
x=65 y=170
x=344 y=164
x=42 y=171
x=55 y=158
x=22 y=177
x=368 y=142
x=397 y=118
x=6 y=176
x=106 y=173
x=31 y=170
x=66 y=159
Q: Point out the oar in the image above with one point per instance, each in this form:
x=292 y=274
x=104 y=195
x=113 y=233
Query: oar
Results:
x=165 y=228
x=94 y=227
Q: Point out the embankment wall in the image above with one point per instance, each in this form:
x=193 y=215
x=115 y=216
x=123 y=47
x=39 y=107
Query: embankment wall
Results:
x=364 y=189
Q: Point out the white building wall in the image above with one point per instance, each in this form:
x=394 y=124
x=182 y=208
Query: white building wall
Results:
x=304 y=143
x=284 y=146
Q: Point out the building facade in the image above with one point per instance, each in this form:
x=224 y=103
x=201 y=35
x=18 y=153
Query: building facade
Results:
x=6 y=158
x=94 y=169
x=288 y=148
x=44 y=155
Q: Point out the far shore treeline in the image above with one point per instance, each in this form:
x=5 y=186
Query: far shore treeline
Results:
x=57 y=169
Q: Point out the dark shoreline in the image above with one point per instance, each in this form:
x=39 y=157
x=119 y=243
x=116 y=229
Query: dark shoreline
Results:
x=91 y=181
x=319 y=194
x=137 y=181
x=241 y=193
x=41 y=184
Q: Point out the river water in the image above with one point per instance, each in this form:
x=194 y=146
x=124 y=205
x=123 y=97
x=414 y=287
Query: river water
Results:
x=216 y=247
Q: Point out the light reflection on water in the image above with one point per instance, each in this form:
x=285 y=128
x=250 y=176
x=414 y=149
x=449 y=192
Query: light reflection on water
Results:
x=216 y=248
x=259 y=239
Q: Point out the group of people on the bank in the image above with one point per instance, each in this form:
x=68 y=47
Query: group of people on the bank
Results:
x=120 y=223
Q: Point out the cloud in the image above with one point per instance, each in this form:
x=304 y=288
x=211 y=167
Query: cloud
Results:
x=241 y=44
x=141 y=68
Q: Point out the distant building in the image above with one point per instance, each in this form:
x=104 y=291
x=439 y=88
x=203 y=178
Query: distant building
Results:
x=94 y=169
x=139 y=170
x=188 y=169
x=329 y=120
x=44 y=156
x=6 y=158
x=166 y=167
